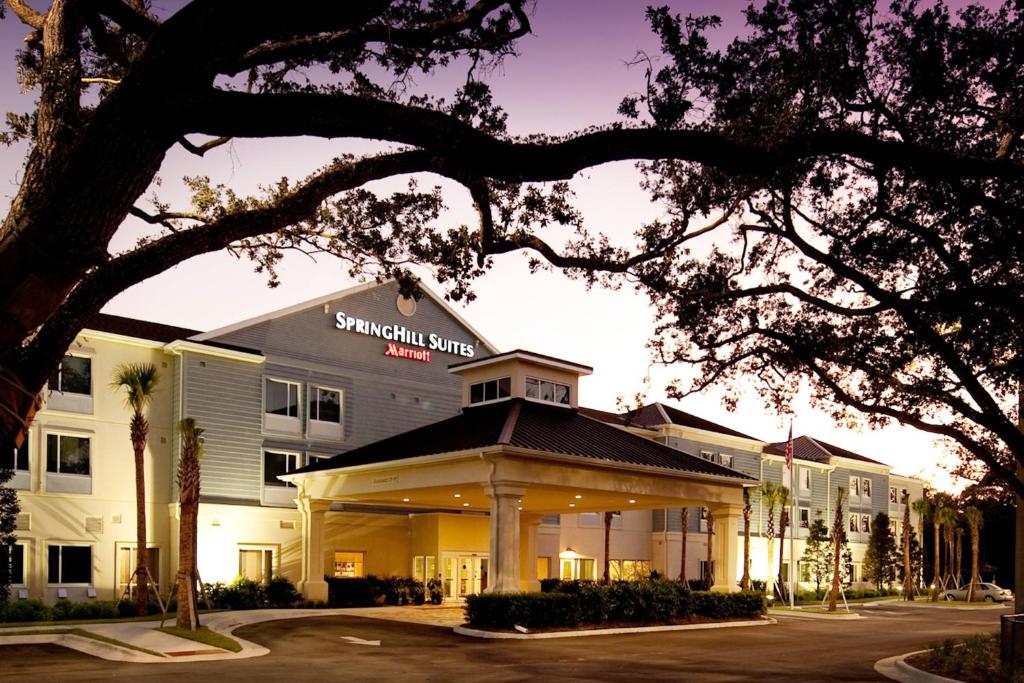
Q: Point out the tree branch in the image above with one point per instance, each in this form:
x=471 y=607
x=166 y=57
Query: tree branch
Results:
x=27 y=14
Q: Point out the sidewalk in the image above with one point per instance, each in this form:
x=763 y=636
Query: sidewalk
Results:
x=168 y=648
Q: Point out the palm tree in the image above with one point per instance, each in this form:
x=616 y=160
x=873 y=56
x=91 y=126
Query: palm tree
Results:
x=709 y=575
x=908 y=569
x=958 y=546
x=606 y=578
x=684 y=518
x=838 y=537
x=771 y=494
x=924 y=508
x=783 y=523
x=747 y=512
x=139 y=380
x=975 y=520
x=947 y=517
x=936 y=511
x=188 y=498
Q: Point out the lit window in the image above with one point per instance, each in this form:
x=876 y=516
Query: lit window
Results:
x=424 y=567
x=73 y=376
x=67 y=454
x=865 y=489
x=282 y=398
x=12 y=565
x=16 y=459
x=275 y=464
x=349 y=565
x=69 y=564
x=126 y=561
x=256 y=563
x=491 y=390
x=805 y=518
x=629 y=570
x=865 y=524
x=550 y=392
x=325 y=405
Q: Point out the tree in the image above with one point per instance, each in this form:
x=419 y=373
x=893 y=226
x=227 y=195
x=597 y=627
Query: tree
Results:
x=916 y=565
x=924 y=508
x=816 y=552
x=975 y=520
x=606 y=575
x=947 y=516
x=709 y=572
x=906 y=570
x=783 y=524
x=139 y=380
x=838 y=541
x=188 y=534
x=771 y=495
x=684 y=519
x=8 y=520
x=747 y=513
x=880 y=557
x=958 y=543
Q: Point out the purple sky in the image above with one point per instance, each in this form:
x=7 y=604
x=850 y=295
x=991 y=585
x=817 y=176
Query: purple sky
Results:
x=572 y=74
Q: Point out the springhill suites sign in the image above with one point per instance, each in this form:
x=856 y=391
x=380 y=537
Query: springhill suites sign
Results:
x=403 y=335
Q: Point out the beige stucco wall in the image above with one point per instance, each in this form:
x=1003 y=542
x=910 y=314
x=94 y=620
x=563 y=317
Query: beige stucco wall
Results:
x=384 y=539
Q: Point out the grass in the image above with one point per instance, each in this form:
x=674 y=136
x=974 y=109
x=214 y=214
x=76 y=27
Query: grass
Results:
x=976 y=660
x=853 y=601
x=69 y=622
x=82 y=633
x=205 y=636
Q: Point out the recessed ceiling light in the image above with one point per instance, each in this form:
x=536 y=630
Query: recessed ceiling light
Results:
x=578 y=496
x=572 y=505
x=465 y=505
x=520 y=507
x=458 y=495
x=405 y=500
x=632 y=500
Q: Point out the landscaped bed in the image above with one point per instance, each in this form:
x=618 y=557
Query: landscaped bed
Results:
x=585 y=606
x=976 y=660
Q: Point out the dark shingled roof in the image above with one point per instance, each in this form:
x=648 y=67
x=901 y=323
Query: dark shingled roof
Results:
x=158 y=332
x=610 y=418
x=513 y=352
x=650 y=416
x=535 y=426
x=816 y=450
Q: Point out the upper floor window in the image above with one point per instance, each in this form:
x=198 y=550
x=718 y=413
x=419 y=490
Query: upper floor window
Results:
x=805 y=518
x=865 y=488
x=325 y=405
x=805 y=480
x=854 y=523
x=893 y=495
x=276 y=463
x=543 y=390
x=16 y=459
x=865 y=524
x=854 y=488
x=491 y=390
x=720 y=458
x=73 y=376
x=282 y=398
x=67 y=454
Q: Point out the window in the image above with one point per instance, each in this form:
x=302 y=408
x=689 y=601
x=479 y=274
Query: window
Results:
x=349 y=565
x=325 y=405
x=805 y=518
x=543 y=390
x=702 y=569
x=424 y=567
x=725 y=459
x=865 y=488
x=894 y=527
x=275 y=464
x=256 y=563
x=854 y=523
x=702 y=517
x=854 y=486
x=73 y=376
x=126 y=559
x=578 y=568
x=865 y=524
x=543 y=568
x=282 y=398
x=12 y=565
x=805 y=480
x=313 y=459
x=16 y=459
x=491 y=390
x=67 y=454
x=892 y=495
x=804 y=571
x=629 y=570
x=69 y=564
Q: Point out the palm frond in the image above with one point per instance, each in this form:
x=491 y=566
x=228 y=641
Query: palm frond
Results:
x=139 y=381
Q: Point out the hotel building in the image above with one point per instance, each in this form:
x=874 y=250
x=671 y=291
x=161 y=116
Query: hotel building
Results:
x=365 y=433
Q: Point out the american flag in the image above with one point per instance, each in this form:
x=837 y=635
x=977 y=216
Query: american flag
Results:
x=789 y=448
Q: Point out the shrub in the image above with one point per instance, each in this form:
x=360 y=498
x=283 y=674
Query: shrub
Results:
x=25 y=610
x=435 y=591
x=94 y=609
x=550 y=585
x=240 y=594
x=280 y=592
x=374 y=590
x=349 y=593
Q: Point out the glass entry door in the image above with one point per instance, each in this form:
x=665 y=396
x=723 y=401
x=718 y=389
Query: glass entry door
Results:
x=465 y=575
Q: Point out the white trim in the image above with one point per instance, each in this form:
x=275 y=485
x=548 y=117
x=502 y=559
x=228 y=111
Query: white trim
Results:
x=59 y=432
x=708 y=436
x=60 y=565
x=23 y=543
x=275 y=559
x=490 y=400
x=327 y=298
x=288 y=484
x=181 y=345
x=538 y=399
x=121 y=339
x=581 y=370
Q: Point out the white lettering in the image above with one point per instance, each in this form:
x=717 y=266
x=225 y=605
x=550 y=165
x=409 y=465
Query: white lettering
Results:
x=400 y=333
x=339 y=319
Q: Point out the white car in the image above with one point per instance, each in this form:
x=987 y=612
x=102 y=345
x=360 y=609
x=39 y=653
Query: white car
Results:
x=989 y=592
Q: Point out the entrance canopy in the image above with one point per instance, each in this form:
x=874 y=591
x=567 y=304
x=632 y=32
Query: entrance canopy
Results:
x=520 y=457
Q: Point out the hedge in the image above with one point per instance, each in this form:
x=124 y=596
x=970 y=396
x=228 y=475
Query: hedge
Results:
x=63 y=610
x=572 y=604
x=387 y=590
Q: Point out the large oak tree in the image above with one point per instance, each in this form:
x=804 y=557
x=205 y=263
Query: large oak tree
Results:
x=862 y=167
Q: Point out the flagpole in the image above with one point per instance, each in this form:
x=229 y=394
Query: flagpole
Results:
x=794 y=523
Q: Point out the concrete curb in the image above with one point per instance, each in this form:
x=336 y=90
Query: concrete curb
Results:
x=89 y=646
x=504 y=635
x=897 y=669
x=942 y=605
x=797 y=614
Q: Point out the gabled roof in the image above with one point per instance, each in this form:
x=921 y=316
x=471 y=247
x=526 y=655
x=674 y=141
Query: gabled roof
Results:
x=610 y=418
x=140 y=329
x=816 y=450
x=655 y=414
x=530 y=425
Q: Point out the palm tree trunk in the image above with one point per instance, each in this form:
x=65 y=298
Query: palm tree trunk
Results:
x=606 y=577
x=908 y=579
x=139 y=432
x=745 y=579
x=935 y=566
x=783 y=523
x=709 y=574
x=838 y=535
x=684 y=517
x=188 y=498
x=769 y=582
x=975 y=574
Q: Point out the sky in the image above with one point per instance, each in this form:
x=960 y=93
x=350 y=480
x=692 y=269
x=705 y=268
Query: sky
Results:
x=572 y=73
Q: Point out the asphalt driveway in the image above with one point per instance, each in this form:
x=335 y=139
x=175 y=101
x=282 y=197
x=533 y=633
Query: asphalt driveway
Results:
x=341 y=648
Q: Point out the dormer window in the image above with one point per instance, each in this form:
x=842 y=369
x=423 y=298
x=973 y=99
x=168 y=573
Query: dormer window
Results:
x=549 y=392
x=491 y=390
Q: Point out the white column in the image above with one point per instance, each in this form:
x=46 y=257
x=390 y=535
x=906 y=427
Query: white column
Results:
x=504 y=536
x=726 y=553
x=312 y=584
x=528 y=525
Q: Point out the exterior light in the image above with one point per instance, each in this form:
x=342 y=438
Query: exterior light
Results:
x=465 y=505
x=572 y=505
x=578 y=496
x=458 y=495
x=632 y=500
x=405 y=500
